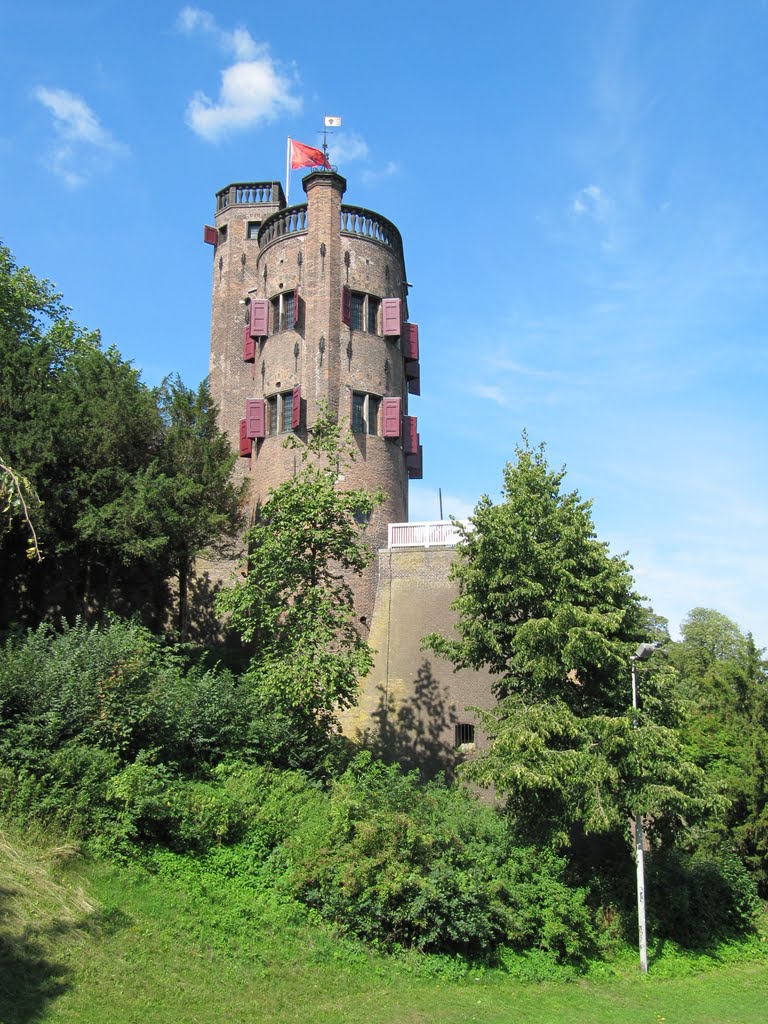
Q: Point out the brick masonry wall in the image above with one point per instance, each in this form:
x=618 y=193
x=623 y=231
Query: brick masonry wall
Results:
x=411 y=702
x=324 y=356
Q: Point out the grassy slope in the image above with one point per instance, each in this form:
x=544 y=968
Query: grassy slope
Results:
x=94 y=943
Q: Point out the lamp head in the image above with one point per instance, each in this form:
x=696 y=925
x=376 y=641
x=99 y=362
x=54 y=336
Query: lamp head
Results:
x=644 y=651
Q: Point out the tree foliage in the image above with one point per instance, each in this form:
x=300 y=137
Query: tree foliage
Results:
x=132 y=481
x=296 y=601
x=724 y=678
x=547 y=608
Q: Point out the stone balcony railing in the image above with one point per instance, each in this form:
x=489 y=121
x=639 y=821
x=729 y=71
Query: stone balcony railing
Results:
x=440 y=533
x=367 y=224
x=290 y=221
x=250 y=193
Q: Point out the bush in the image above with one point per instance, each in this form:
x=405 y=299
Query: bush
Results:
x=701 y=898
x=106 y=731
x=429 y=868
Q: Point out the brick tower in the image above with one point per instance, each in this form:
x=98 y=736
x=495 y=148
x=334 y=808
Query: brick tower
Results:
x=310 y=306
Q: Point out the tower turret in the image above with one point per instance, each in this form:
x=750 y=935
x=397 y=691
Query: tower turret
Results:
x=310 y=306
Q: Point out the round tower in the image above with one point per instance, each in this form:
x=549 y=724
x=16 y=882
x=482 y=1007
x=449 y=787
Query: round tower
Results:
x=309 y=308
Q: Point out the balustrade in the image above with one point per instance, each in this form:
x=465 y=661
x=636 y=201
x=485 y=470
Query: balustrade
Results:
x=249 y=194
x=291 y=221
x=357 y=221
x=440 y=533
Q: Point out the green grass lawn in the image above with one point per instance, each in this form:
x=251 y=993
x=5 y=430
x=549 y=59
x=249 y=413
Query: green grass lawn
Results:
x=90 y=942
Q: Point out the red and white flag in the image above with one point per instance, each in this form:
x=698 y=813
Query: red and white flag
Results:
x=307 y=156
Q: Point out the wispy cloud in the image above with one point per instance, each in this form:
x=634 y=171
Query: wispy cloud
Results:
x=374 y=174
x=592 y=202
x=253 y=89
x=82 y=146
x=347 y=146
x=511 y=366
x=490 y=391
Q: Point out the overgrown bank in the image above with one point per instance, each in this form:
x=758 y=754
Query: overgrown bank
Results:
x=116 y=740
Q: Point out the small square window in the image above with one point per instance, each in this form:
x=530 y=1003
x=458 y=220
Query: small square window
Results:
x=465 y=734
x=252 y=231
x=223 y=233
x=365 y=413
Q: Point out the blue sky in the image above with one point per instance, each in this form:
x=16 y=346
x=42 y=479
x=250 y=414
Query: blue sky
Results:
x=581 y=188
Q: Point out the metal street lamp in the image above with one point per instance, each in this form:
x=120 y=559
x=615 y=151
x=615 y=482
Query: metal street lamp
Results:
x=643 y=652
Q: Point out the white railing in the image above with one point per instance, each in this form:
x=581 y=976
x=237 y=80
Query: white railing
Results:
x=424 y=535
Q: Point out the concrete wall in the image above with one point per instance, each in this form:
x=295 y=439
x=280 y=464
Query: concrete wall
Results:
x=412 y=700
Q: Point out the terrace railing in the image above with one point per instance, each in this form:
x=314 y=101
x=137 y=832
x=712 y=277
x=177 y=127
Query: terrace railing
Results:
x=439 y=533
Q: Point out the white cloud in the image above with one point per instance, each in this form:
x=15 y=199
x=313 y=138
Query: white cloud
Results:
x=592 y=201
x=512 y=366
x=490 y=391
x=253 y=89
x=387 y=171
x=349 y=146
x=239 y=42
x=82 y=145
x=346 y=147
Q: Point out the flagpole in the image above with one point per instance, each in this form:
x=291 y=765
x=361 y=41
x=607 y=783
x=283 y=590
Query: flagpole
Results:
x=287 y=170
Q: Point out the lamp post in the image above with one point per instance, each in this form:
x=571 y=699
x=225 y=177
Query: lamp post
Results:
x=643 y=652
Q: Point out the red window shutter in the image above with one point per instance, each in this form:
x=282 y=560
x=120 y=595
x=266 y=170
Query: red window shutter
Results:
x=390 y=417
x=259 y=322
x=391 y=317
x=254 y=417
x=415 y=465
x=296 y=408
x=410 y=435
x=346 y=305
x=413 y=373
x=210 y=235
x=249 y=345
x=411 y=341
x=296 y=307
x=245 y=441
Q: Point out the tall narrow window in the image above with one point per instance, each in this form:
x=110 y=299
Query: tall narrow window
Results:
x=373 y=314
x=374 y=405
x=287 y=320
x=358 y=412
x=272 y=414
x=358 y=303
x=287 y=411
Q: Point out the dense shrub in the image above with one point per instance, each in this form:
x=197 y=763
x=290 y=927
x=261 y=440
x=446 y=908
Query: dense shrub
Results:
x=702 y=897
x=401 y=865
x=108 y=732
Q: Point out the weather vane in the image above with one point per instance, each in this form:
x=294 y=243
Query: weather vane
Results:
x=329 y=122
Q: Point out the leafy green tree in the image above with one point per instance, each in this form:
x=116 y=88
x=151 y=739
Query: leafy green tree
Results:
x=182 y=501
x=133 y=482
x=546 y=608
x=296 y=602
x=725 y=679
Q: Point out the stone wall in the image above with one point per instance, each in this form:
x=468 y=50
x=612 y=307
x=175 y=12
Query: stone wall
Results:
x=412 y=701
